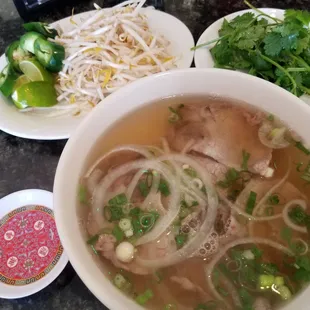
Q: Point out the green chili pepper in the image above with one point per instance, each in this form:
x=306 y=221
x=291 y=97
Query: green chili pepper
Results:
x=15 y=54
x=7 y=80
x=42 y=28
x=49 y=54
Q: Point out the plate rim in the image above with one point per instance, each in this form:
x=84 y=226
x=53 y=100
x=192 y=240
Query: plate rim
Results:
x=9 y=129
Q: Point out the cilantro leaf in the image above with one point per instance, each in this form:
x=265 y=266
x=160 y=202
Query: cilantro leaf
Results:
x=242 y=20
x=226 y=28
x=273 y=44
x=247 y=38
x=297 y=15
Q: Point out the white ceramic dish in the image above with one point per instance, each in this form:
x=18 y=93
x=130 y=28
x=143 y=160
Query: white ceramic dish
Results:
x=203 y=57
x=233 y=84
x=13 y=202
x=35 y=127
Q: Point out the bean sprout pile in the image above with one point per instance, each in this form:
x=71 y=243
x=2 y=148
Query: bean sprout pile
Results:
x=105 y=52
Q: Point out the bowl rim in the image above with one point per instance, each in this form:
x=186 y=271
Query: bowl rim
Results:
x=72 y=145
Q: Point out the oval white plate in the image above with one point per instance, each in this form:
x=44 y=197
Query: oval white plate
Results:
x=12 y=202
x=203 y=57
x=35 y=127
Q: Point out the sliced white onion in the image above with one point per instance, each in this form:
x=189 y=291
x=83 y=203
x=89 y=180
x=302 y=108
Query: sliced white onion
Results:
x=124 y=148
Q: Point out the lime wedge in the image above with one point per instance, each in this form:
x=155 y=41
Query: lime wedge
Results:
x=35 y=71
x=20 y=81
x=35 y=94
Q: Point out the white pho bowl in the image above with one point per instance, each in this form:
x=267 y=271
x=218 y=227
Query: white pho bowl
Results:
x=235 y=85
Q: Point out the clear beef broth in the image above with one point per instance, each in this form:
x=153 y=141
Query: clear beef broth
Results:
x=219 y=273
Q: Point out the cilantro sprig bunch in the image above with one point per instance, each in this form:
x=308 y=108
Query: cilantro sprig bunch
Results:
x=264 y=46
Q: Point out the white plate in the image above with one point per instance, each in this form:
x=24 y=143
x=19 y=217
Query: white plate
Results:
x=35 y=127
x=13 y=202
x=203 y=57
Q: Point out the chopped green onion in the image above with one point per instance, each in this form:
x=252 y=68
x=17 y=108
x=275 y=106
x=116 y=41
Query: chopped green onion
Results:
x=164 y=188
x=248 y=254
x=175 y=114
x=306 y=174
x=113 y=213
x=301 y=147
x=268 y=268
x=119 y=280
x=246 y=299
x=270 y=117
x=273 y=199
x=147 y=220
x=251 y=202
x=184 y=212
x=118 y=200
x=191 y=172
x=92 y=240
x=284 y=292
x=299 y=165
x=142 y=299
x=180 y=240
x=279 y=281
x=144 y=189
x=265 y=281
x=94 y=250
x=231 y=176
x=233 y=194
x=135 y=211
x=245 y=158
x=118 y=233
x=257 y=252
x=298 y=215
x=222 y=291
x=125 y=224
x=269 y=211
x=83 y=195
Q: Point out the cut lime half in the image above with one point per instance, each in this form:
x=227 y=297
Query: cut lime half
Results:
x=35 y=71
x=20 y=81
x=35 y=94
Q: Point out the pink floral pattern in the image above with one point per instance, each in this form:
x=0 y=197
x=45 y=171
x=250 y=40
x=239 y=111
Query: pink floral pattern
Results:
x=29 y=245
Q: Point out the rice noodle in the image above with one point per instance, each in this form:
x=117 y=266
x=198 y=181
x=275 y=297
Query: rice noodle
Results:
x=210 y=267
x=287 y=219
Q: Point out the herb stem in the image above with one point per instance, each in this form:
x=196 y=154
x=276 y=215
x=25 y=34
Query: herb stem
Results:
x=277 y=20
x=298 y=69
x=208 y=43
x=282 y=69
x=300 y=60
